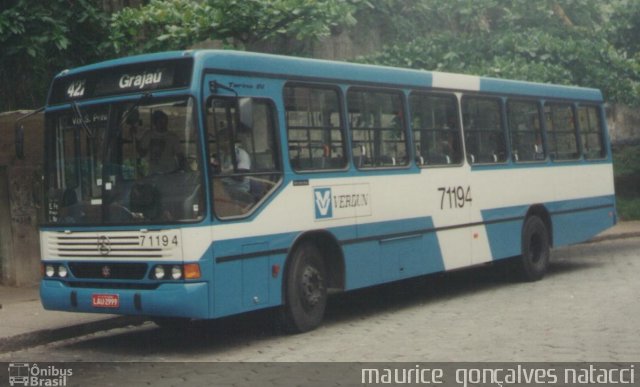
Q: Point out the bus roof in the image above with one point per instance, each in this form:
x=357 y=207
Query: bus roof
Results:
x=305 y=69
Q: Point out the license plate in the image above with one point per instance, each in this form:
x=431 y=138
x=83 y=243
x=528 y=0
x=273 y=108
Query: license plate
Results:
x=105 y=301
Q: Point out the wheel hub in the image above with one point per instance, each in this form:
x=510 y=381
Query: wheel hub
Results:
x=312 y=286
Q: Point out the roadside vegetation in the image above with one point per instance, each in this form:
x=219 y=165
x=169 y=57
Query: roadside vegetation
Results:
x=626 y=167
x=586 y=43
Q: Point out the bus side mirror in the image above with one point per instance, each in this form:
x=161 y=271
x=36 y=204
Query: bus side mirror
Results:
x=19 y=141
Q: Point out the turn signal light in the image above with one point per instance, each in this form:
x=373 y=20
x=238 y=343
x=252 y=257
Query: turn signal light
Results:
x=191 y=271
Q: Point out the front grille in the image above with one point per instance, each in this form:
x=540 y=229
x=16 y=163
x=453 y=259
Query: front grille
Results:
x=150 y=244
x=106 y=270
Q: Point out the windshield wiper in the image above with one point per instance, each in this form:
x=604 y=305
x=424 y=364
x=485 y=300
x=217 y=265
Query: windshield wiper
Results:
x=78 y=114
x=143 y=98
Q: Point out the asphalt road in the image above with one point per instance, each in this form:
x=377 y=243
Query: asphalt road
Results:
x=586 y=309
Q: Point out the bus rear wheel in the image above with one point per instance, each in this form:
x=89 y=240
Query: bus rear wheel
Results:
x=305 y=290
x=536 y=250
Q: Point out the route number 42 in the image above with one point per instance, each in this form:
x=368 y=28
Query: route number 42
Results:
x=455 y=197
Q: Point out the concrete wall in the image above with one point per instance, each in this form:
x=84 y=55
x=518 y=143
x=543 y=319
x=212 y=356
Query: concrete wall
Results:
x=20 y=188
x=624 y=124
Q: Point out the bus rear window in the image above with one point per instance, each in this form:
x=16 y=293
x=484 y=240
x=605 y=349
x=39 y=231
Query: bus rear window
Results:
x=591 y=132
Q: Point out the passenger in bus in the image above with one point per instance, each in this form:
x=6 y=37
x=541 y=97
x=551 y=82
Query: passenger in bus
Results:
x=161 y=146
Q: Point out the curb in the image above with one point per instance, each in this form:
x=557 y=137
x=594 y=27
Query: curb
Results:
x=622 y=235
x=46 y=336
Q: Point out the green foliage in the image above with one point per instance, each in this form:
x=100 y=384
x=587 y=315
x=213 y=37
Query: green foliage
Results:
x=178 y=24
x=626 y=168
x=625 y=28
x=580 y=42
x=565 y=42
x=626 y=161
x=40 y=38
x=628 y=208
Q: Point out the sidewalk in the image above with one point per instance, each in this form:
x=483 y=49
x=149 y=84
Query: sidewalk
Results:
x=24 y=323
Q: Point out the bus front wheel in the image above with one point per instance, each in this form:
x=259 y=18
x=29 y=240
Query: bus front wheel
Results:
x=305 y=290
x=536 y=246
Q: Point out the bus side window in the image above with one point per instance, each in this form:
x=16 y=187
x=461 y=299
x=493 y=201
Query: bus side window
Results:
x=436 y=133
x=525 y=131
x=314 y=128
x=561 y=131
x=484 y=136
x=243 y=151
x=376 y=121
x=591 y=132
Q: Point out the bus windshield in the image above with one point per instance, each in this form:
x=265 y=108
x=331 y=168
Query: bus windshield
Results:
x=123 y=163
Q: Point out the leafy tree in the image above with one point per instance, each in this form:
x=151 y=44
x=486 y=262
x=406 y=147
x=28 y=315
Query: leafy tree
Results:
x=564 y=42
x=40 y=38
x=625 y=27
x=178 y=24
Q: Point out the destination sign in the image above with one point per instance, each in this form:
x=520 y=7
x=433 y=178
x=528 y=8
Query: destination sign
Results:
x=134 y=78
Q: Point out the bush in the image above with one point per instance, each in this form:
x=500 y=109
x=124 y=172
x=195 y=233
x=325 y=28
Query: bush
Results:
x=626 y=168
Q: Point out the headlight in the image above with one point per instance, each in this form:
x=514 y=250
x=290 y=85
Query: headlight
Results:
x=159 y=272
x=176 y=272
x=49 y=271
x=62 y=271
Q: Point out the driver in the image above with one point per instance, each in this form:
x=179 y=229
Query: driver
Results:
x=161 y=145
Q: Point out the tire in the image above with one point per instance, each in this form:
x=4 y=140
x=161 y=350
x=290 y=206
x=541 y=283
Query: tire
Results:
x=305 y=292
x=532 y=265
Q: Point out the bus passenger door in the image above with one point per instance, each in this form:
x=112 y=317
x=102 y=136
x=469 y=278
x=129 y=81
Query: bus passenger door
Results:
x=244 y=170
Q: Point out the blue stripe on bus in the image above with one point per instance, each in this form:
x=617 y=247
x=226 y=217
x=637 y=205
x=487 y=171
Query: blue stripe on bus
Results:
x=503 y=226
x=577 y=220
x=392 y=250
x=502 y=86
x=289 y=67
x=573 y=221
x=540 y=164
x=283 y=67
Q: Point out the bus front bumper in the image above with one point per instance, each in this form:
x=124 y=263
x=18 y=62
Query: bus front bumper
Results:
x=168 y=300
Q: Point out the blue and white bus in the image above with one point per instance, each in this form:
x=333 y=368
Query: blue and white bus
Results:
x=201 y=184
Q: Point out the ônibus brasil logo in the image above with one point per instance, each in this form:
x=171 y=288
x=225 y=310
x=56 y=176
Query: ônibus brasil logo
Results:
x=24 y=374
